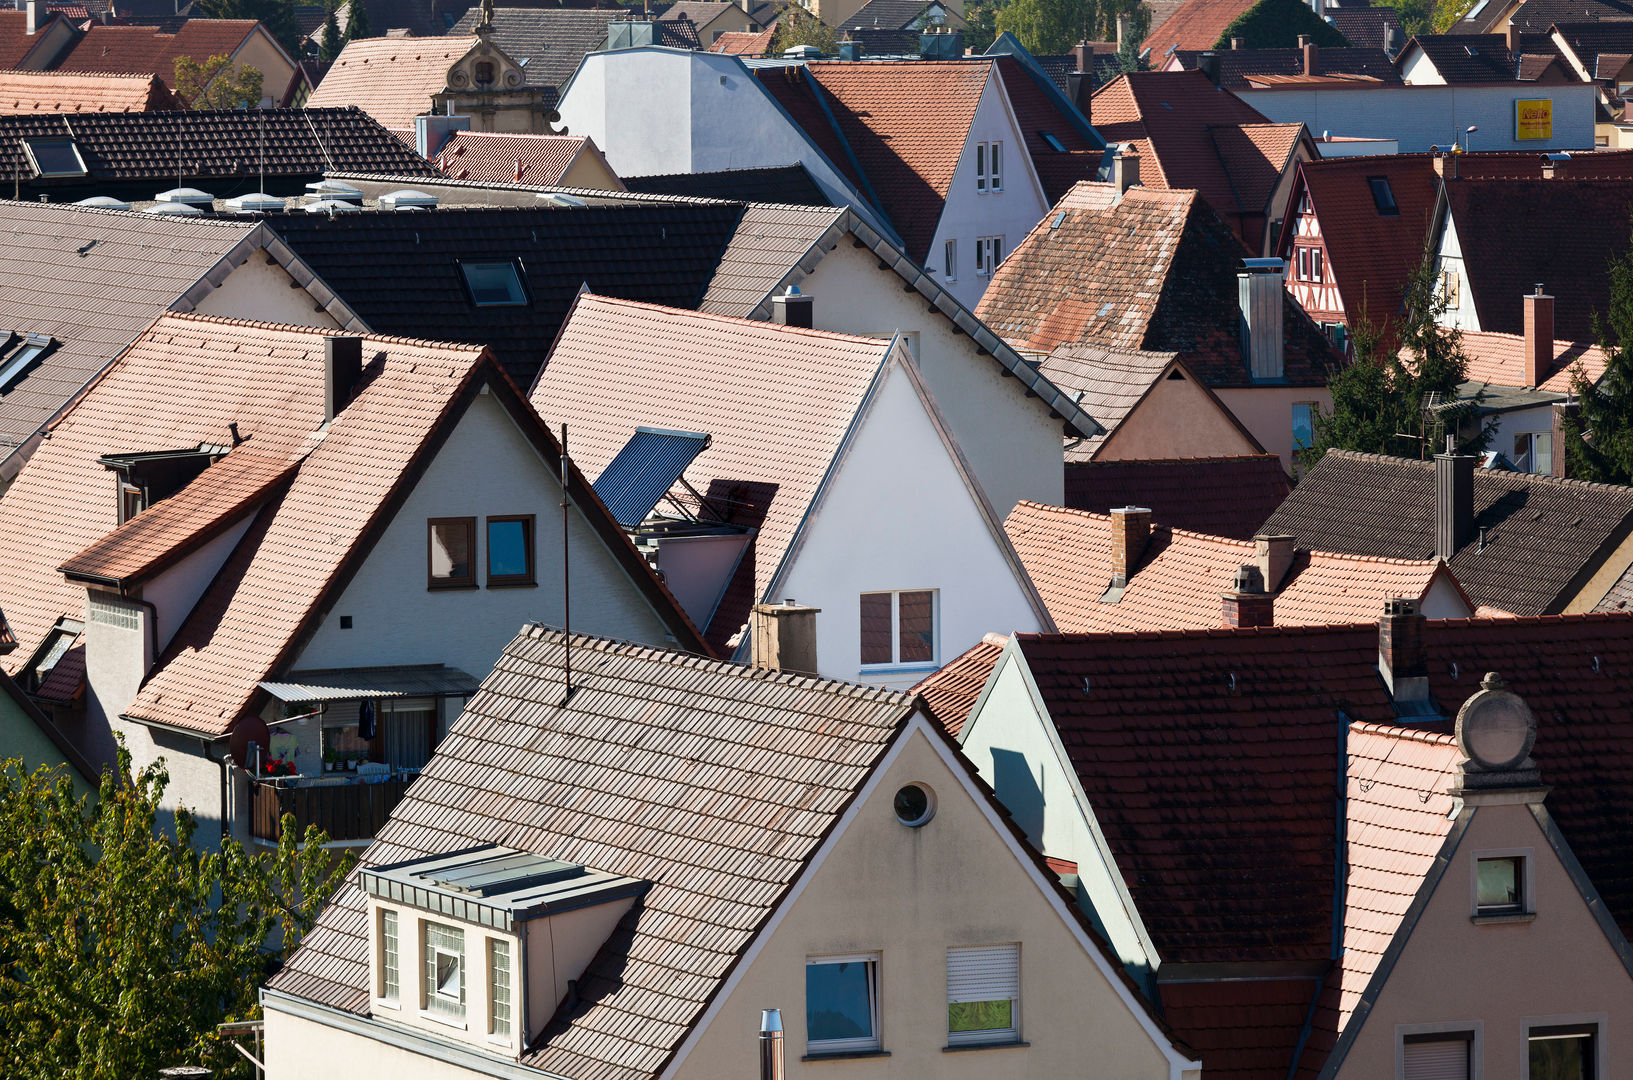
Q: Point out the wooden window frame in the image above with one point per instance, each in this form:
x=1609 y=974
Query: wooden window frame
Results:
x=437 y=584
x=511 y=581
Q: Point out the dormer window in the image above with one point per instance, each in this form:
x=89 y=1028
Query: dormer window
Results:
x=55 y=157
x=150 y=476
x=17 y=363
x=444 y=969
x=494 y=284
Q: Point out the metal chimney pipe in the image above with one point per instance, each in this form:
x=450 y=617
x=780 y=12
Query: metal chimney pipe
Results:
x=771 y=1056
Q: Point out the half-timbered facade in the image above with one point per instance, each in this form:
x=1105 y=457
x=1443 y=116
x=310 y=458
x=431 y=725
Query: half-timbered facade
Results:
x=1309 y=271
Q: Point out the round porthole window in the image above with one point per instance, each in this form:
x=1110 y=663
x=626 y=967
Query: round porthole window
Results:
x=915 y=805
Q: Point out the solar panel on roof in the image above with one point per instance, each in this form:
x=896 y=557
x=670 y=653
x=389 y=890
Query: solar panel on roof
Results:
x=644 y=471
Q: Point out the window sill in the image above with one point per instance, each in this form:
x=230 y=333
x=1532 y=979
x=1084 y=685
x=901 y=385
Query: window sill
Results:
x=893 y=669
x=461 y=587
x=444 y=1019
x=954 y=1048
x=512 y=584
x=1507 y=917
x=845 y=1055
x=382 y=1003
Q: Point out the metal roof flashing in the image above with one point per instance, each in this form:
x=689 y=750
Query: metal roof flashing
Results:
x=497 y=886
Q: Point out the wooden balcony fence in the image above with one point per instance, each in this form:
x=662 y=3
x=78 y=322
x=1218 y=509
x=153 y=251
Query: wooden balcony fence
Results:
x=343 y=811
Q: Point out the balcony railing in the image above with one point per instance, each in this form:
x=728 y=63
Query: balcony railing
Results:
x=346 y=811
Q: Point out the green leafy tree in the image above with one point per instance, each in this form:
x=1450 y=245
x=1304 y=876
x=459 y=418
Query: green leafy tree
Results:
x=1379 y=396
x=796 y=27
x=277 y=16
x=1448 y=13
x=1049 y=26
x=1598 y=434
x=1415 y=15
x=357 y=20
x=1139 y=28
x=216 y=84
x=332 y=41
x=1277 y=24
x=122 y=945
x=981 y=17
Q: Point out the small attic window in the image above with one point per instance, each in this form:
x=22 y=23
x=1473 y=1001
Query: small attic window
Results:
x=55 y=157
x=1054 y=143
x=1382 y=197
x=17 y=363
x=494 y=284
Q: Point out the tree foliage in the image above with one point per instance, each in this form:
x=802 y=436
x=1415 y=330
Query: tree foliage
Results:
x=1414 y=16
x=122 y=945
x=796 y=27
x=981 y=29
x=1054 y=26
x=357 y=20
x=332 y=42
x=278 y=16
x=1378 y=397
x=1598 y=434
x=1277 y=24
x=216 y=84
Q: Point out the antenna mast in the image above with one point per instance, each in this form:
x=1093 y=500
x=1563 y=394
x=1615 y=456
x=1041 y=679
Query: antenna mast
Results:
x=566 y=575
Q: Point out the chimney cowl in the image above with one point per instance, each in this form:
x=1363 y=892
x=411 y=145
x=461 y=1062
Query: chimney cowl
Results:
x=1248 y=604
x=793 y=308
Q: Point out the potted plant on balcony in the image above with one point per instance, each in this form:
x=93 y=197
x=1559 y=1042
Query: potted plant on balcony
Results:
x=330 y=761
x=351 y=761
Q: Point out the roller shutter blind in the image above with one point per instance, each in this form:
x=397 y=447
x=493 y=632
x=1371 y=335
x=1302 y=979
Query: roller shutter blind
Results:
x=983 y=973
x=1444 y=1059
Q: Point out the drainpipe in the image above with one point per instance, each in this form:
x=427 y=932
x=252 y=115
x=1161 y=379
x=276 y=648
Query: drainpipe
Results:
x=225 y=761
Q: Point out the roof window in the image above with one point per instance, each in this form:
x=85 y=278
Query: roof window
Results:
x=494 y=284
x=1382 y=197
x=55 y=157
x=1054 y=143
x=20 y=359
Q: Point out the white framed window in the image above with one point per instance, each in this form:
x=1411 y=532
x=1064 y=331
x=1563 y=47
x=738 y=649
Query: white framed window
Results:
x=989 y=166
x=1451 y=284
x=13 y=367
x=1566 y=1047
x=1303 y=424
x=390 y=980
x=899 y=628
x=1443 y=1050
x=1500 y=883
x=499 y=987
x=1534 y=451
x=444 y=990
x=983 y=994
x=842 y=1004
x=989 y=252
x=949 y=261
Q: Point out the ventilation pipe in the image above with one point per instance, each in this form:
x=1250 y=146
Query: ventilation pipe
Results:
x=771 y=1050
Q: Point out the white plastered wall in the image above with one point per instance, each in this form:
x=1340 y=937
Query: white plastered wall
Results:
x=1449 y=258
x=256 y=290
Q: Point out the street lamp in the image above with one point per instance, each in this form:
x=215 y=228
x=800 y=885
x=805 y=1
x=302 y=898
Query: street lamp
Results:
x=1470 y=130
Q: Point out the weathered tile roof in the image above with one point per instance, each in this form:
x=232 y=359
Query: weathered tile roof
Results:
x=28 y=92
x=1538 y=16
x=720 y=800
x=492 y=156
x=1181 y=576
x=1514 y=233
x=1469 y=59
x=230 y=146
x=89 y=280
x=776 y=401
x=1244 y=1029
x=743 y=43
x=1195 y=24
x=1151 y=271
x=392 y=79
x=1108 y=384
x=1544 y=537
x=1499 y=360
x=147 y=50
x=551 y=42
x=15 y=42
x=1235 y=65
x=1228 y=496
x=787 y=185
x=952 y=692
x=400 y=272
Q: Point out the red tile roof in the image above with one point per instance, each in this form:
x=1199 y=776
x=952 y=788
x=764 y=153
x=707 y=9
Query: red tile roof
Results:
x=952 y=692
x=1499 y=359
x=1242 y=1030
x=1181 y=577
x=743 y=43
x=1197 y=24
x=28 y=92
x=504 y=158
x=15 y=41
x=1036 y=113
x=391 y=79
x=776 y=401
x=1230 y=496
x=145 y=50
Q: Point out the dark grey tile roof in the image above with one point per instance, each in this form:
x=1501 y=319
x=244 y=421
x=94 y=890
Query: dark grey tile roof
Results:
x=1544 y=537
x=789 y=185
x=769 y=244
x=1470 y=58
x=550 y=42
x=1235 y=65
x=713 y=781
x=895 y=14
x=400 y=272
x=1364 y=27
x=1536 y=16
x=1222 y=496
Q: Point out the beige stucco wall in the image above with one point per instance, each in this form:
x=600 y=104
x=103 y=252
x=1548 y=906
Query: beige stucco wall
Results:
x=298 y=1049
x=590 y=170
x=908 y=894
x=254 y=290
x=1178 y=419
x=1608 y=574
x=1267 y=412
x=260 y=52
x=1558 y=968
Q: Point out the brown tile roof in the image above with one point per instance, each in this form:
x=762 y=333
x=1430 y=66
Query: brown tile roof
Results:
x=1107 y=384
x=1499 y=360
x=1364 y=26
x=1228 y=496
x=1196 y=24
x=1237 y=66
x=1544 y=537
x=1244 y=1029
x=1468 y=59
x=1179 y=580
x=776 y=401
x=1036 y=113
x=743 y=43
x=720 y=805
x=146 y=50
x=952 y=692
x=391 y=79
x=27 y=92
x=488 y=156
x=15 y=42
x=1153 y=270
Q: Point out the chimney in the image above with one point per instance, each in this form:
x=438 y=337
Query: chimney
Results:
x=1081 y=84
x=771 y=1050
x=1130 y=529
x=33 y=8
x=1248 y=604
x=1208 y=64
x=850 y=49
x=1260 y=289
x=1084 y=57
x=1561 y=410
x=1124 y=25
x=1513 y=38
x=1392 y=41
x=1454 y=502
x=1312 y=59
x=1235 y=44
x=784 y=638
x=342 y=367
x=1125 y=170
x=747 y=6
x=1403 y=661
x=1274 y=557
x=1539 y=337
x=792 y=308
x=1553 y=166
x=1445 y=163
x=1304 y=41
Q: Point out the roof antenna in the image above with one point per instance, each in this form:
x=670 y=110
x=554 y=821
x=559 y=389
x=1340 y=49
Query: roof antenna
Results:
x=566 y=577
x=262 y=150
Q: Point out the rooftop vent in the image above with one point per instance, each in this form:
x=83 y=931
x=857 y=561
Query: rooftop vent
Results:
x=332 y=206
x=556 y=198
x=174 y=209
x=257 y=203
x=803 y=52
x=104 y=202
x=337 y=190
x=187 y=196
x=408 y=199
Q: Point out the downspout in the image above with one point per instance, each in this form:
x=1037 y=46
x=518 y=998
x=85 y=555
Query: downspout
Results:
x=225 y=761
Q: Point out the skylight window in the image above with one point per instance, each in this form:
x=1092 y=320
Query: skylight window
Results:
x=21 y=359
x=1054 y=143
x=55 y=157
x=1382 y=197
x=495 y=284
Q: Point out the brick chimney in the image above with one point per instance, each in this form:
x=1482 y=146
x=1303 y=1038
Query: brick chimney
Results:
x=1454 y=502
x=1084 y=56
x=1513 y=38
x=1130 y=529
x=1274 y=556
x=1312 y=58
x=1539 y=336
x=1248 y=604
x=1403 y=660
x=784 y=638
x=1125 y=170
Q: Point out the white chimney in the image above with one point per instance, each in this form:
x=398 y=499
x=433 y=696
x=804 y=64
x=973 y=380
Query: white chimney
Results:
x=33 y=15
x=1259 y=293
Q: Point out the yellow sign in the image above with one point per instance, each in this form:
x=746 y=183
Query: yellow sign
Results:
x=1533 y=119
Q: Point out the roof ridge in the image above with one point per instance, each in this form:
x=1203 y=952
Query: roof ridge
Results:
x=126 y=215
x=1529 y=478
x=1386 y=560
x=462 y=348
x=1398 y=731
x=1172 y=461
x=736 y=320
